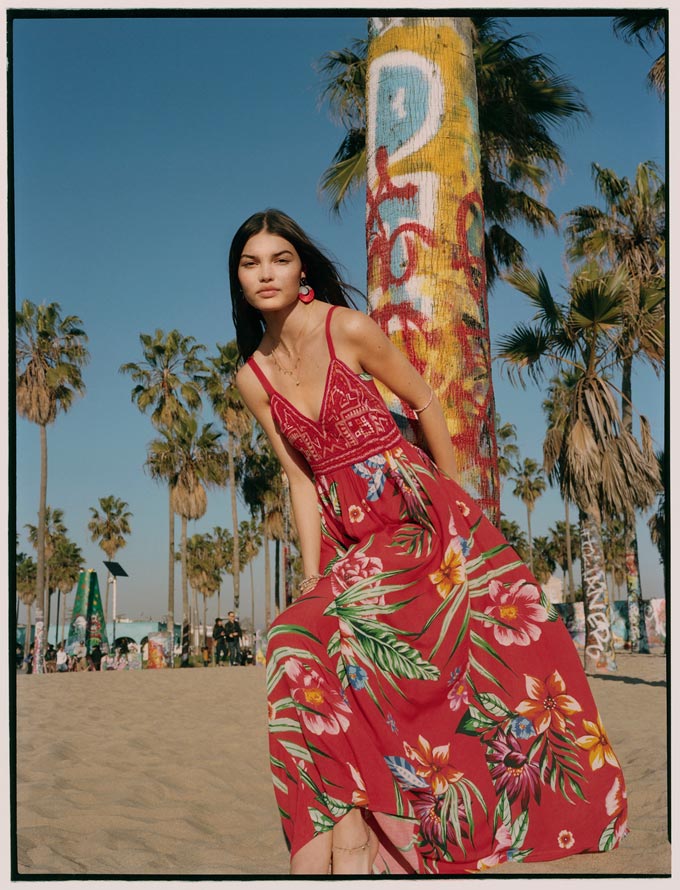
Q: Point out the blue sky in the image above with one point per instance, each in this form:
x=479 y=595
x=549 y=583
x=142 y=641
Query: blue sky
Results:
x=141 y=144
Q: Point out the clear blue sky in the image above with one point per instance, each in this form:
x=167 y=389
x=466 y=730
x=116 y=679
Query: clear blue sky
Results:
x=140 y=146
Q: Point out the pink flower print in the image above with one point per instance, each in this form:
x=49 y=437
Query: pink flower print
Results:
x=617 y=806
x=464 y=509
x=499 y=853
x=520 y=610
x=565 y=839
x=322 y=708
x=353 y=568
x=458 y=691
x=512 y=771
x=356 y=514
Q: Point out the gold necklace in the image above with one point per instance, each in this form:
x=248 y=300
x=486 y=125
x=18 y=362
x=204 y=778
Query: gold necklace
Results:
x=291 y=372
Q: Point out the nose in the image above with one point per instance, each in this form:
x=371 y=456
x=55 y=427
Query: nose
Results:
x=265 y=272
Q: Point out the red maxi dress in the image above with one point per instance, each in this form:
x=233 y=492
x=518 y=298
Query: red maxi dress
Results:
x=426 y=678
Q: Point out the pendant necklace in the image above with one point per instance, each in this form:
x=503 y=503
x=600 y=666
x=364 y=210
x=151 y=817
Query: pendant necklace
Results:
x=290 y=372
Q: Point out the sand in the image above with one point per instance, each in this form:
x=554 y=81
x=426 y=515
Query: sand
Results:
x=166 y=773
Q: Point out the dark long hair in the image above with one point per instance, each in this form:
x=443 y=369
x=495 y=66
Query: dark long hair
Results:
x=320 y=272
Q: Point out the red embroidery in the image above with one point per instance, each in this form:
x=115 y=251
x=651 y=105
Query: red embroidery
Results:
x=354 y=423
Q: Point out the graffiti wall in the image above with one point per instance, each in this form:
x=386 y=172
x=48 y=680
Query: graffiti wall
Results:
x=654 y=612
x=425 y=226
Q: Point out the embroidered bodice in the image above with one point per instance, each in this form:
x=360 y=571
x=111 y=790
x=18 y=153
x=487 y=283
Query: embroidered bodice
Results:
x=353 y=424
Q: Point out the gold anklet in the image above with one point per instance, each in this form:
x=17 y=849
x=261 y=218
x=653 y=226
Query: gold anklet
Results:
x=353 y=849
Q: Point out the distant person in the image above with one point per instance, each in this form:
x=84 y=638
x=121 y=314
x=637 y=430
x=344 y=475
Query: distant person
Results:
x=96 y=658
x=234 y=633
x=62 y=659
x=219 y=635
x=205 y=655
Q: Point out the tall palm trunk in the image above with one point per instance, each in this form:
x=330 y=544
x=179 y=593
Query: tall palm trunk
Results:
x=171 y=563
x=425 y=228
x=252 y=600
x=267 y=578
x=27 y=638
x=185 y=580
x=235 y=559
x=277 y=577
x=63 y=622
x=42 y=507
x=205 y=621
x=567 y=543
x=637 y=632
x=531 y=541
x=599 y=646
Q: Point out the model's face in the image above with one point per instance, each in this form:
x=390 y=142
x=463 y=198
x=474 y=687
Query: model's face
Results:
x=269 y=271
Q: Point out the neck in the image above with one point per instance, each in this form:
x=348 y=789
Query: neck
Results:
x=286 y=326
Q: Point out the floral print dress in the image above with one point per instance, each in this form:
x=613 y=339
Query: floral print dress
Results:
x=426 y=679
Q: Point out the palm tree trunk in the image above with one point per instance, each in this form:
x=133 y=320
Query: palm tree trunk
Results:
x=425 y=228
x=235 y=559
x=171 y=565
x=185 y=580
x=277 y=577
x=41 y=567
x=567 y=543
x=252 y=600
x=599 y=645
x=27 y=638
x=63 y=622
x=637 y=632
x=56 y=623
x=205 y=621
x=194 y=635
x=531 y=542
x=267 y=578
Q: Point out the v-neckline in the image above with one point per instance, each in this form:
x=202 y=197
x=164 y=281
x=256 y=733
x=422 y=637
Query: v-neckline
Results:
x=332 y=360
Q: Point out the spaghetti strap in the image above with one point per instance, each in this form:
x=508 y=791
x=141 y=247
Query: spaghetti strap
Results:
x=261 y=376
x=329 y=340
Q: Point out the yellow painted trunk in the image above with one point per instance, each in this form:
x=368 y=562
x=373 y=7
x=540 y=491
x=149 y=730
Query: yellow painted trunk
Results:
x=425 y=226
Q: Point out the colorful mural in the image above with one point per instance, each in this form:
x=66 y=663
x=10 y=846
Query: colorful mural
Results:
x=87 y=616
x=425 y=229
x=654 y=612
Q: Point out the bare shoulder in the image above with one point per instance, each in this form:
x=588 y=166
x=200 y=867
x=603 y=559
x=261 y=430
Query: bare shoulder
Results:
x=354 y=326
x=250 y=387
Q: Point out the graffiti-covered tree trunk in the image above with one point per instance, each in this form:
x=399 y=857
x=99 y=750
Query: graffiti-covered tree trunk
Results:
x=599 y=644
x=425 y=228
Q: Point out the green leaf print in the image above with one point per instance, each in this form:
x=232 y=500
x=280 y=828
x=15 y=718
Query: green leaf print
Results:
x=335 y=807
x=381 y=645
x=335 y=500
x=520 y=827
x=284 y=724
x=502 y=814
x=494 y=705
x=320 y=821
x=414 y=540
x=296 y=750
x=292 y=628
x=607 y=838
x=475 y=722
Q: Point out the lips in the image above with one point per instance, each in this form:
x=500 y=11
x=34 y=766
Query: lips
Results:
x=268 y=292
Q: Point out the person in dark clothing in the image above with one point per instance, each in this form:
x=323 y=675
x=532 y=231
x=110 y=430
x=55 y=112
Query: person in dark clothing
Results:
x=233 y=632
x=219 y=635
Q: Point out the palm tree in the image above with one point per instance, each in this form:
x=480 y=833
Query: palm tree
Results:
x=646 y=27
x=226 y=400
x=599 y=464
x=108 y=529
x=529 y=486
x=657 y=521
x=564 y=541
x=508 y=452
x=555 y=407
x=251 y=541
x=630 y=232
x=544 y=558
x=262 y=486
x=516 y=538
x=65 y=565
x=54 y=531
x=192 y=461
x=519 y=96
x=50 y=356
x=223 y=546
x=168 y=381
x=613 y=546
x=26 y=571
x=203 y=570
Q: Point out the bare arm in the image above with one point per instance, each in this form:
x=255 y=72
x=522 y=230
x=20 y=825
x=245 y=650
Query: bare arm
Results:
x=376 y=354
x=303 y=495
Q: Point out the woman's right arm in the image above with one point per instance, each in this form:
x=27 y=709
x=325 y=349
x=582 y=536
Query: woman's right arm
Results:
x=304 y=500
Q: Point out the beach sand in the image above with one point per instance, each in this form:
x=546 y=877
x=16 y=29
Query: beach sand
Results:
x=166 y=773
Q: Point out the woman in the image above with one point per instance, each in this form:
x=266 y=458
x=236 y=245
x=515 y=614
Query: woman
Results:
x=428 y=712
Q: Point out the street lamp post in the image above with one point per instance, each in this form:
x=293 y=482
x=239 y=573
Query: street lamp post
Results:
x=115 y=571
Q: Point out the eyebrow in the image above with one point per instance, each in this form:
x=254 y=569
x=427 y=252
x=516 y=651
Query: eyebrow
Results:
x=251 y=256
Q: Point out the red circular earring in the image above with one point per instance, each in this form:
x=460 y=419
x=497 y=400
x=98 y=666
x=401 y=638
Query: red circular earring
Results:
x=306 y=292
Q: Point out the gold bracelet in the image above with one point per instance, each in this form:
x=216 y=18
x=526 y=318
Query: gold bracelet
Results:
x=307 y=583
x=426 y=405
